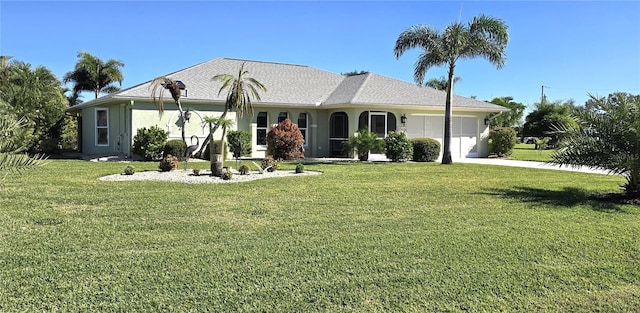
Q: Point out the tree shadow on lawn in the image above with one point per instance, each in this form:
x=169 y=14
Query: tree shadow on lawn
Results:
x=566 y=197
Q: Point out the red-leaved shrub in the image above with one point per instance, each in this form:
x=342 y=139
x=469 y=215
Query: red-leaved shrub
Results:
x=285 y=141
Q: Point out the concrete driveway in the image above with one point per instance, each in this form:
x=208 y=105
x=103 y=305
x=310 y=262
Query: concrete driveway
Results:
x=529 y=164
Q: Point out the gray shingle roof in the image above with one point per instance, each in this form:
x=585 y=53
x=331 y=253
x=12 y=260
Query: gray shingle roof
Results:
x=299 y=85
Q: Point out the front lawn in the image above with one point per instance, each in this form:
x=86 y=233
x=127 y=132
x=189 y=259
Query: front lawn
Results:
x=358 y=238
x=528 y=152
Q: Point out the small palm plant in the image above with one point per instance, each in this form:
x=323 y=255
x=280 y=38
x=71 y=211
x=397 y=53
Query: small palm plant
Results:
x=217 y=160
x=606 y=136
x=363 y=142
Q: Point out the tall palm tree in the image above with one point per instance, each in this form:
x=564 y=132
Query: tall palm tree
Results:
x=93 y=74
x=441 y=83
x=483 y=36
x=158 y=86
x=241 y=89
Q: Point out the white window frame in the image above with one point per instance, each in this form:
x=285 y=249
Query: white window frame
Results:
x=97 y=127
x=265 y=128
x=378 y=113
x=305 y=128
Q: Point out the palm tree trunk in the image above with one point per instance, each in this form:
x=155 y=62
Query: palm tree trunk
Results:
x=183 y=121
x=446 y=153
x=224 y=133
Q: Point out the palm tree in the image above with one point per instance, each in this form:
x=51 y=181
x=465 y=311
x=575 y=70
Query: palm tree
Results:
x=441 y=83
x=35 y=96
x=483 y=36
x=217 y=163
x=241 y=89
x=93 y=74
x=14 y=139
x=606 y=136
x=158 y=86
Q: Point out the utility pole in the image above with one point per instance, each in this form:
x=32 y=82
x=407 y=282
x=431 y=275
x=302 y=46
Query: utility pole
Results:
x=542 y=95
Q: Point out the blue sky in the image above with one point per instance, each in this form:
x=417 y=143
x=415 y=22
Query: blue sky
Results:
x=572 y=48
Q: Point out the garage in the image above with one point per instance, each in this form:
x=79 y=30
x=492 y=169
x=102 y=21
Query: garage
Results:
x=464 y=137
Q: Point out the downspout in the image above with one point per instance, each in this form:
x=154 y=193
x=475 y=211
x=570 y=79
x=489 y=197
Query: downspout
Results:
x=128 y=128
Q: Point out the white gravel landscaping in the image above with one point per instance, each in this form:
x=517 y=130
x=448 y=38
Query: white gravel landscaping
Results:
x=186 y=176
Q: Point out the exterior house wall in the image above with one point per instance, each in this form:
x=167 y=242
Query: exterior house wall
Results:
x=260 y=151
x=89 y=129
x=125 y=119
x=145 y=114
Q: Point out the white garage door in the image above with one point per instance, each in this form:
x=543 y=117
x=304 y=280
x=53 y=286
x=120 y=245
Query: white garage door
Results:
x=464 y=139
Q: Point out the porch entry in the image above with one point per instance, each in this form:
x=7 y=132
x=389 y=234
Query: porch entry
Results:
x=338 y=134
x=380 y=123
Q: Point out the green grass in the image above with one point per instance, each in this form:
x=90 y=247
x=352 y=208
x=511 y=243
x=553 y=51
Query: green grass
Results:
x=527 y=152
x=359 y=238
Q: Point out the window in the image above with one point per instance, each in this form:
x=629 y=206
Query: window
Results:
x=302 y=125
x=102 y=127
x=380 y=123
x=338 y=134
x=391 y=122
x=363 y=121
x=282 y=116
x=261 y=128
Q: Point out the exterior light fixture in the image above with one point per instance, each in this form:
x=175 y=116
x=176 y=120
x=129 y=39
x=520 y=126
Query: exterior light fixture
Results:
x=403 y=119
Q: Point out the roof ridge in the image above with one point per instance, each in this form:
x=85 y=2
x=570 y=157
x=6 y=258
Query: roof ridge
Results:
x=360 y=86
x=267 y=62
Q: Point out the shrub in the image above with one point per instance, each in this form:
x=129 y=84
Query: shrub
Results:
x=244 y=169
x=270 y=164
x=425 y=149
x=129 y=170
x=398 y=147
x=168 y=163
x=175 y=147
x=216 y=146
x=502 y=140
x=239 y=143
x=299 y=168
x=285 y=141
x=364 y=142
x=227 y=175
x=149 y=142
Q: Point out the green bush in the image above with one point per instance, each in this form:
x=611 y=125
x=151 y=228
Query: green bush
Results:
x=169 y=163
x=216 y=146
x=270 y=164
x=129 y=170
x=239 y=142
x=502 y=140
x=244 y=169
x=149 y=142
x=284 y=141
x=300 y=168
x=227 y=175
x=398 y=147
x=362 y=143
x=175 y=147
x=425 y=149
